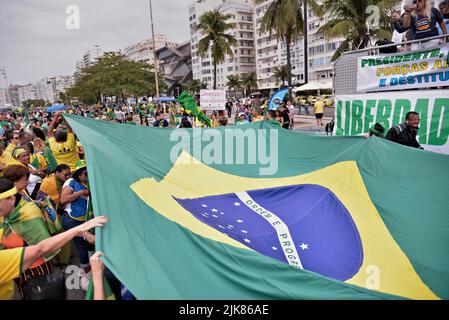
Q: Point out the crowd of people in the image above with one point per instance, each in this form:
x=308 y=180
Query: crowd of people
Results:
x=420 y=21
x=45 y=201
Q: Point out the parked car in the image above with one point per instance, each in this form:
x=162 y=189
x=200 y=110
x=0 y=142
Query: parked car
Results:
x=328 y=100
x=312 y=100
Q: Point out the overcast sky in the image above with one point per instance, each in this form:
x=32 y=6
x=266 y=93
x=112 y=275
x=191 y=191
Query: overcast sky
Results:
x=35 y=43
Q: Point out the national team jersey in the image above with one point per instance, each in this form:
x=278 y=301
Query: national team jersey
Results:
x=78 y=208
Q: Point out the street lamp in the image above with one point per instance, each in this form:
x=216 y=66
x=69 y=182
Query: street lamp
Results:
x=154 y=52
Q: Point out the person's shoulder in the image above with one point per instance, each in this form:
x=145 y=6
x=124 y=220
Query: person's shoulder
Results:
x=436 y=12
x=48 y=180
x=69 y=183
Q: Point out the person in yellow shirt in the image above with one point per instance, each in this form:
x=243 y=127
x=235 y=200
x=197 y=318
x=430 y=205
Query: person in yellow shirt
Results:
x=257 y=117
x=6 y=159
x=319 y=111
x=63 y=144
x=13 y=262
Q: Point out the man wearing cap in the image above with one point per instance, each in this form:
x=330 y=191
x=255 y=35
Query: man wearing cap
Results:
x=242 y=119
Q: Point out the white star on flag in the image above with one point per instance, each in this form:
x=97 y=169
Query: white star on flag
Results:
x=244 y=231
x=239 y=221
x=247 y=240
x=214 y=210
x=220 y=226
x=237 y=204
x=274 y=248
x=304 y=246
x=230 y=226
x=214 y=216
x=221 y=212
x=204 y=206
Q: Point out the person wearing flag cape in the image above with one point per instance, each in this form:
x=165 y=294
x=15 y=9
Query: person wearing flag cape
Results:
x=16 y=261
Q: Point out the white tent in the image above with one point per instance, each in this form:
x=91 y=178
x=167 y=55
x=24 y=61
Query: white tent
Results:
x=314 y=85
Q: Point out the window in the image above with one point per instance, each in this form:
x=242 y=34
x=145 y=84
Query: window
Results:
x=332 y=46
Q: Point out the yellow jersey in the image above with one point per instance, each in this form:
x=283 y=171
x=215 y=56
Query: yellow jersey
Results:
x=66 y=152
x=11 y=267
x=319 y=107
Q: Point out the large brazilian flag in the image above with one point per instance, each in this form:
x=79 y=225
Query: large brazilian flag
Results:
x=259 y=212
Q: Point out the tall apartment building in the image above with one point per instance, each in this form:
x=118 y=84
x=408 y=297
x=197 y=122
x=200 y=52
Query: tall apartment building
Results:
x=143 y=51
x=28 y=92
x=271 y=53
x=320 y=49
x=47 y=89
x=4 y=93
x=241 y=12
x=89 y=58
x=13 y=90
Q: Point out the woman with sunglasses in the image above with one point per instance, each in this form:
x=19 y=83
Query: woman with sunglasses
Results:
x=422 y=18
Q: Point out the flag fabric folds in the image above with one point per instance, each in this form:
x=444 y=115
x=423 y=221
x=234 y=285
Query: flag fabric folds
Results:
x=276 y=99
x=191 y=108
x=341 y=217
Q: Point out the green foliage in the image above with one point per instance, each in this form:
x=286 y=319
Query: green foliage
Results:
x=233 y=83
x=249 y=81
x=216 y=38
x=348 y=19
x=193 y=86
x=284 y=19
x=114 y=75
x=33 y=103
x=281 y=74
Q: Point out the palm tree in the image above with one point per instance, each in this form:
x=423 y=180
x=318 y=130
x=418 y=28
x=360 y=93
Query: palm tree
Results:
x=213 y=27
x=249 y=80
x=204 y=85
x=193 y=86
x=281 y=74
x=233 y=83
x=285 y=19
x=348 y=19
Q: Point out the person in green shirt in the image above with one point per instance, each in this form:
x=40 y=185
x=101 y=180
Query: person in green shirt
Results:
x=130 y=121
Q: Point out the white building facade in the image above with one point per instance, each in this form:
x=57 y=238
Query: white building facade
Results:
x=243 y=61
x=89 y=58
x=4 y=93
x=28 y=92
x=143 y=51
x=271 y=53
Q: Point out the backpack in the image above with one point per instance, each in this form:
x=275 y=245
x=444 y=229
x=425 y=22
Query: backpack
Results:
x=329 y=129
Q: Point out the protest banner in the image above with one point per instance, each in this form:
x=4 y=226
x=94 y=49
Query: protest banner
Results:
x=212 y=100
x=355 y=114
x=408 y=70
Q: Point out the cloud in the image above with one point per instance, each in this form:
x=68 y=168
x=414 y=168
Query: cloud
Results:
x=36 y=43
